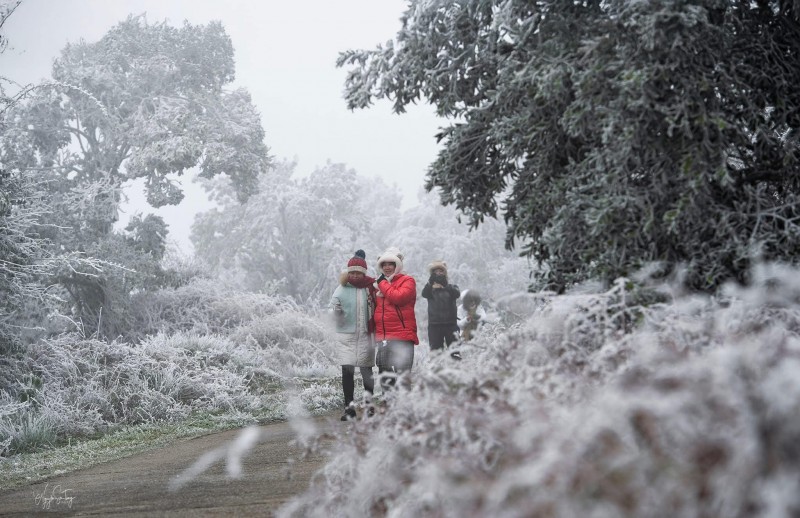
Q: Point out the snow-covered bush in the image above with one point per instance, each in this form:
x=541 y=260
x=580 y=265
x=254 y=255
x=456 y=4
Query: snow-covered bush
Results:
x=20 y=430
x=88 y=385
x=297 y=343
x=203 y=306
x=695 y=412
x=212 y=349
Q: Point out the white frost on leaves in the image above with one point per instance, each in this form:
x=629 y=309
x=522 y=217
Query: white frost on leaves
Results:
x=214 y=350
x=691 y=412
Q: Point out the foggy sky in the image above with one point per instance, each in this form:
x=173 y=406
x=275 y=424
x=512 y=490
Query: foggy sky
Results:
x=285 y=57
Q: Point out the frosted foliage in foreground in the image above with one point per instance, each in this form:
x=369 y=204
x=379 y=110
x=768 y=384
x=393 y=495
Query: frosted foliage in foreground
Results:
x=696 y=413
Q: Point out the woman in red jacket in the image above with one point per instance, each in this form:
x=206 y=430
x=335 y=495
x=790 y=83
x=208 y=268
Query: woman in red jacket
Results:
x=395 y=323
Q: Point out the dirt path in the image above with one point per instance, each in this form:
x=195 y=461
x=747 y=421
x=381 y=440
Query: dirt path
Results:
x=272 y=472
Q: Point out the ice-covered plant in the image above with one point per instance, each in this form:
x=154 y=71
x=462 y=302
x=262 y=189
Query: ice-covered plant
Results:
x=694 y=412
x=206 y=347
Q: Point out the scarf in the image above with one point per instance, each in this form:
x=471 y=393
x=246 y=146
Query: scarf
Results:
x=366 y=282
x=361 y=283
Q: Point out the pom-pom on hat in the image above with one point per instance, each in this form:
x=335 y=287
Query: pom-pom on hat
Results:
x=391 y=255
x=358 y=263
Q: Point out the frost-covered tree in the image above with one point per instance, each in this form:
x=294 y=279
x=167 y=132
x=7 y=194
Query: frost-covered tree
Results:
x=147 y=234
x=609 y=134
x=19 y=247
x=295 y=234
x=20 y=252
x=146 y=101
x=7 y=8
x=476 y=258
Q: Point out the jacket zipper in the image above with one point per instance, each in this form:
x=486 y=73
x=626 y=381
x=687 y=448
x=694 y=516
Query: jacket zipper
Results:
x=400 y=316
x=383 y=316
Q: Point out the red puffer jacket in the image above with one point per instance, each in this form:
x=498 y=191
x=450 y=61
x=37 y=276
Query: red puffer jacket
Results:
x=394 y=311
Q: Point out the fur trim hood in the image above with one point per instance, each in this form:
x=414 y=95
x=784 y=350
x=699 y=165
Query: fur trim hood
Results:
x=391 y=255
x=437 y=264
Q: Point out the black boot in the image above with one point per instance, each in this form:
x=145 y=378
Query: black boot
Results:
x=349 y=414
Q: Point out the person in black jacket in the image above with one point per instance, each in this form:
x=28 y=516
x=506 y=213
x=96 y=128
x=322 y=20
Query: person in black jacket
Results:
x=442 y=307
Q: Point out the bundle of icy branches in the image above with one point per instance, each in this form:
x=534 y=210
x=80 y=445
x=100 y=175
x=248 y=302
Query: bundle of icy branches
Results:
x=696 y=412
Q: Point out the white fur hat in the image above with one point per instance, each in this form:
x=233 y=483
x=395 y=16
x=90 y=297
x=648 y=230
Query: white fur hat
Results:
x=391 y=255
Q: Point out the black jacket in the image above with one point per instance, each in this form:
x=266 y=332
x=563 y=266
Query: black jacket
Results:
x=442 y=307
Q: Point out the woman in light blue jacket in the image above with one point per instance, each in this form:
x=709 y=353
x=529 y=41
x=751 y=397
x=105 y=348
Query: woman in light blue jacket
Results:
x=353 y=304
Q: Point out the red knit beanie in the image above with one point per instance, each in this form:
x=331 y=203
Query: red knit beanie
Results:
x=358 y=263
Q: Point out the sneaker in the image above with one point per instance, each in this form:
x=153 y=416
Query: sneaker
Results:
x=349 y=414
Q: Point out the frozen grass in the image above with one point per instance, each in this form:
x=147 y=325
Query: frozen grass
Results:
x=26 y=468
x=241 y=365
x=204 y=306
x=122 y=441
x=695 y=411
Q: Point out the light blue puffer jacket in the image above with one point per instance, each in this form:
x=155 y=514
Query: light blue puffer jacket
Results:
x=356 y=343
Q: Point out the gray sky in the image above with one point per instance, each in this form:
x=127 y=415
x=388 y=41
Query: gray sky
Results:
x=285 y=56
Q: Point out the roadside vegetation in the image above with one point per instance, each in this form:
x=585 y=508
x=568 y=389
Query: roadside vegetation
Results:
x=237 y=359
x=597 y=405
x=642 y=156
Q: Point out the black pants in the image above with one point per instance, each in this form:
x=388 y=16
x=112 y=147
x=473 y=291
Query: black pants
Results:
x=440 y=335
x=349 y=383
x=394 y=357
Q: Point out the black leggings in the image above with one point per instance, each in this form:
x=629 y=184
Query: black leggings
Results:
x=441 y=335
x=394 y=358
x=349 y=383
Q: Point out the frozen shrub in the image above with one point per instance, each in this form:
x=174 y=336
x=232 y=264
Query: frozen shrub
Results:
x=26 y=431
x=201 y=346
x=203 y=306
x=294 y=344
x=694 y=411
x=85 y=386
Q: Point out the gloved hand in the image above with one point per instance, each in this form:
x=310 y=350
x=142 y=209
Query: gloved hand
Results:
x=381 y=278
x=438 y=279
